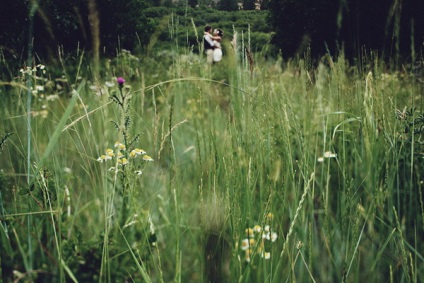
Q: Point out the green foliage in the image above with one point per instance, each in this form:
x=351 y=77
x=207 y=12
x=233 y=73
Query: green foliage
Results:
x=265 y=170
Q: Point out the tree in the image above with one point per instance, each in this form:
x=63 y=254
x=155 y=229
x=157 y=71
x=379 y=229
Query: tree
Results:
x=228 y=5
x=249 y=4
x=13 y=25
x=327 y=25
x=299 y=23
x=193 y=3
x=123 y=23
x=265 y=4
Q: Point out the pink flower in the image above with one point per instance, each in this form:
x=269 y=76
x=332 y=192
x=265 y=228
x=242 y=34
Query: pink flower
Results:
x=120 y=81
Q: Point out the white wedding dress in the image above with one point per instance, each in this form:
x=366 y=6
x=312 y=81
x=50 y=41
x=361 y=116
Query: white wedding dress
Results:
x=217 y=51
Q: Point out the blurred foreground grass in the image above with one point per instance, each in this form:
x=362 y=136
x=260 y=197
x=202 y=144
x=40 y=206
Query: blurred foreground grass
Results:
x=260 y=173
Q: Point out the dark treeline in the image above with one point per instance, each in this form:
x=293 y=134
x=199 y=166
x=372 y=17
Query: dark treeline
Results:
x=69 y=25
x=392 y=28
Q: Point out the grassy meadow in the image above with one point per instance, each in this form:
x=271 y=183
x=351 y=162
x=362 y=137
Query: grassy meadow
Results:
x=161 y=168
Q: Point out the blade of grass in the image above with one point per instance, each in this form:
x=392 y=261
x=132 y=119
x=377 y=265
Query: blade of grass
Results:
x=140 y=267
x=377 y=258
x=59 y=128
x=356 y=247
x=32 y=10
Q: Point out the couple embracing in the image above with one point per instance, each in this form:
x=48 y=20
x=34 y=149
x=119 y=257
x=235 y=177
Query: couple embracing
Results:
x=212 y=44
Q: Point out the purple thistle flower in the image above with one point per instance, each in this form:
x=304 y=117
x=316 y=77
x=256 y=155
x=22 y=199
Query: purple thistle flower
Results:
x=120 y=81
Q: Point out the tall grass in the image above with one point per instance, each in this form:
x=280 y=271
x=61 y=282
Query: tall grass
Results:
x=261 y=173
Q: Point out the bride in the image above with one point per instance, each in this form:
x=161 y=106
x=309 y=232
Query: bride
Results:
x=217 y=51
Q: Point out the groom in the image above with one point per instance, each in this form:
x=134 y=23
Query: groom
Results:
x=208 y=44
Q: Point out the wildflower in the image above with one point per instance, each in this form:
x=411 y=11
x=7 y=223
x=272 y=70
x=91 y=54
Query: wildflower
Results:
x=44 y=113
x=152 y=238
x=245 y=244
x=110 y=153
x=136 y=152
x=120 y=155
x=147 y=158
x=274 y=237
x=299 y=245
x=329 y=154
x=111 y=169
x=133 y=154
x=270 y=216
x=249 y=232
x=123 y=161
x=52 y=97
x=97 y=90
x=257 y=228
x=248 y=252
x=267 y=228
x=120 y=146
x=120 y=81
x=101 y=158
x=109 y=84
x=138 y=172
x=266 y=255
x=139 y=151
x=26 y=70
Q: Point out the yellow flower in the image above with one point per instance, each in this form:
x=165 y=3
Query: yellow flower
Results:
x=249 y=232
x=123 y=161
x=133 y=154
x=109 y=153
x=139 y=151
x=102 y=158
x=147 y=158
x=120 y=146
x=270 y=216
x=245 y=244
x=248 y=252
x=257 y=228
